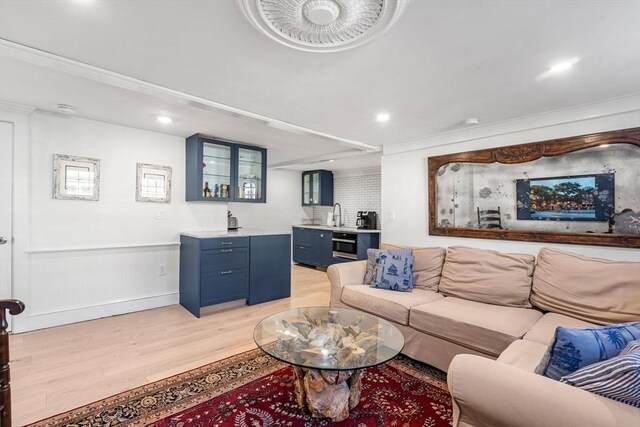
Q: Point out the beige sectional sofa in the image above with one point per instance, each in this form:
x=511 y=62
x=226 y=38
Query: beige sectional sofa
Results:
x=505 y=308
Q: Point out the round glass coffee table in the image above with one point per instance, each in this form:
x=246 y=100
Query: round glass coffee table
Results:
x=328 y=348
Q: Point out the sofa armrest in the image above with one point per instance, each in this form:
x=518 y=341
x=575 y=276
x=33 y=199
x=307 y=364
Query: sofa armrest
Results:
x=489 y=393
x=346 y=273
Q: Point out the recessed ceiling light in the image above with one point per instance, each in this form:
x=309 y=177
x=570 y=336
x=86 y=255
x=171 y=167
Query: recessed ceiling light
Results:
x=331 y=160
x=164 y=119
x=383 y=117
x=471 y=122
x=69 y=110
x=558 y=68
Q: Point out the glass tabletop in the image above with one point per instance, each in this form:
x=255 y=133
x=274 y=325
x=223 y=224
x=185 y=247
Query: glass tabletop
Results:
x=328 y=338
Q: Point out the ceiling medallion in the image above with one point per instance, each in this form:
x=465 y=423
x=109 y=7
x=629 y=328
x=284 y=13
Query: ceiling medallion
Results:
x=322 y=25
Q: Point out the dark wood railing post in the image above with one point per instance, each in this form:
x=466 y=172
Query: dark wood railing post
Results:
x=15 y=307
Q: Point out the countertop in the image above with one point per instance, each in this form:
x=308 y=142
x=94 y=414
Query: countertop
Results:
x=242 y=232
x=340 y=229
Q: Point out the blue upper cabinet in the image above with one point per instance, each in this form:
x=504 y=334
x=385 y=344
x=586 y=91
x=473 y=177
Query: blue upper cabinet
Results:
x=221 y=171
x=317 y=188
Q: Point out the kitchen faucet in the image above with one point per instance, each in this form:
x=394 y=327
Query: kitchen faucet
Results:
x=339 y=223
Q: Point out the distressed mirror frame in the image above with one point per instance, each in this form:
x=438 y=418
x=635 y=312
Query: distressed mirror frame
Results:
x=523 y=153
x=61 y=165
x=164 y=171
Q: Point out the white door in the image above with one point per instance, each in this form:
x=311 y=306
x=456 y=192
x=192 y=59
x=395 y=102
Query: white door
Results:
x=6 y=197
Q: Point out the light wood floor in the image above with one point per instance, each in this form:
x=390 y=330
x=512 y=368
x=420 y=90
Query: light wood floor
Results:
x=57 y=369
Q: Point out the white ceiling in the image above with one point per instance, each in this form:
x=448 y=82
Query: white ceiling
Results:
x=443 y=61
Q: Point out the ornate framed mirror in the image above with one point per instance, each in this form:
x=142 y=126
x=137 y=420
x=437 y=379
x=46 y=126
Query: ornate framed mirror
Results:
x=579 y=190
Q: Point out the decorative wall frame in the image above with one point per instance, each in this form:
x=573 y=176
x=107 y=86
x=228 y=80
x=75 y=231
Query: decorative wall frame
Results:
x=76 y=178
x=153 y=183
x=462 y=185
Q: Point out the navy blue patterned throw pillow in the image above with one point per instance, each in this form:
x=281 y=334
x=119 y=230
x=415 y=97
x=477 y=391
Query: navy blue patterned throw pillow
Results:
x=617 y=378
x=575 y=348
x=393 y=270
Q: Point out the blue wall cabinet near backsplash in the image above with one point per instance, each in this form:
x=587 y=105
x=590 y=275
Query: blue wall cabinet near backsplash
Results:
x=223 y=171
x=317 y=188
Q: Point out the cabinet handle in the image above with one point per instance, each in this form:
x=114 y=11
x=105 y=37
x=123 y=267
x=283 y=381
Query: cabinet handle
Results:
x=226 y=250
x=226 y=243
x=322 y=236
x=226 y=272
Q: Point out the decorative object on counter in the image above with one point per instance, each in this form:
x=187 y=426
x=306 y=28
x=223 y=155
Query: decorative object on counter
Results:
x=232 y=222
x=573 y=208
x=76 y=178
x=153 y=183
x=329 y=348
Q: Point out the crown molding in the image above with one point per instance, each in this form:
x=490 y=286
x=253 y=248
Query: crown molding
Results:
x=41 y=58
x=14 y=107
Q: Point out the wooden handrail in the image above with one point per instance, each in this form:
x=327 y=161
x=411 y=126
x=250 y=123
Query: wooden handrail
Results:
x=15 y=307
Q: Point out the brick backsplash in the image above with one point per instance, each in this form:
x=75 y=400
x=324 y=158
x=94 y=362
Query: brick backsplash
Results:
x=354 y=193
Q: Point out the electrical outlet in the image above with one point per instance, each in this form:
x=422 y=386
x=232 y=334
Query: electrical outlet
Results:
x=393 y=215
x=162 y=269
x=160 y=214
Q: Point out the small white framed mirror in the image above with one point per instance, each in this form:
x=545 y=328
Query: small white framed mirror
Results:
x=153 y=183
x=76 y=178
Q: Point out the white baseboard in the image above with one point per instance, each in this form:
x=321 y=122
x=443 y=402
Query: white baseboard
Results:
x=30 y=322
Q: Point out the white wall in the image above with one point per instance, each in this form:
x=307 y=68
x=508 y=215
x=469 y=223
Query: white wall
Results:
x=404 y=173
x=355 y=190
x=283 y=208
x=79 y=260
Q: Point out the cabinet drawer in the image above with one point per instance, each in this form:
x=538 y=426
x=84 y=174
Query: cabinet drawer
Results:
x=302 y=236
x=303 y=254
x=230 y=242
x=224 y=286
x=224 y=259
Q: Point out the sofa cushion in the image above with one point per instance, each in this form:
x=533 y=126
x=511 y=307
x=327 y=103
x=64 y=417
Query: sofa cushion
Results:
x=523 y=354
x=545 y=329
x=390 y=305
x=427 y=265
x=575 y=348
x=484 y=327
x=393 y=270
x=616 y=378
x=488 y=276
x=591 y=289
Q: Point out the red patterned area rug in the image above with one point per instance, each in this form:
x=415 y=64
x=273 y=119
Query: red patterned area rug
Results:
x=254 y=390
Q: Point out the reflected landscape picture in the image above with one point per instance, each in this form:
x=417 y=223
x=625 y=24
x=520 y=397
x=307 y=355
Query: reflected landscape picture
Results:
x=570 y=198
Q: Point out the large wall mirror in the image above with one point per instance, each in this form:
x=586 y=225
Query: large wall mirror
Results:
x=581 y=190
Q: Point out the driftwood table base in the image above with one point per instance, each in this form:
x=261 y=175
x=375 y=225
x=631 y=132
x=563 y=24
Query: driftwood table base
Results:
x=328 y=394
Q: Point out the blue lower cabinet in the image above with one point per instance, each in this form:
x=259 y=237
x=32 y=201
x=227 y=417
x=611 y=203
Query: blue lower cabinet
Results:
x=367 y=241
x=216 y=270
x=312 y=247
x=223 y=286
x=315 y=247
x=303 y=254
x=270 y=268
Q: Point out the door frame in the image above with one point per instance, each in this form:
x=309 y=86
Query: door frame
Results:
x=6 y=164
x=19 y=116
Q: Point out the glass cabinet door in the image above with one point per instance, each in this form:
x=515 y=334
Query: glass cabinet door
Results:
x=315 y=188
x=306 y=188
x=216 y=171
x=250 y=169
